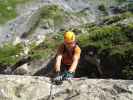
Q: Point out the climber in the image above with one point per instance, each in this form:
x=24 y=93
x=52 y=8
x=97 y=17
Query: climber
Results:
x=67 y=58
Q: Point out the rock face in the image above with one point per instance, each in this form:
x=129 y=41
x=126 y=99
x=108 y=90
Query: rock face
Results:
x=29 y=15
x=41 y=88
x=22 y=24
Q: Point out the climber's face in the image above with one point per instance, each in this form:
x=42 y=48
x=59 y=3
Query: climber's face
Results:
x=70 y=44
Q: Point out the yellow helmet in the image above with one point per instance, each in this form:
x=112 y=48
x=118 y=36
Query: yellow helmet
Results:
x=69 y=36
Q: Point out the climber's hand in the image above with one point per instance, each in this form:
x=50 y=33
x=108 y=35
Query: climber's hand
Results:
x=57 y=79
x=68 y=75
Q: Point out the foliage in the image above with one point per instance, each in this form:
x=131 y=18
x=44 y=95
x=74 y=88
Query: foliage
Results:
x=127 y=72
x=113 y=19
x=47 y=48
x=8 y=9
x=114 y=42
x=53 y=12
x=8 y=54
x=106 y=35
x=121 y=1
x=101 y=7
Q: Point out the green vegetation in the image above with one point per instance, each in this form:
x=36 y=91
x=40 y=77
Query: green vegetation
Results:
x=109 y=20
x=107 y=35
x=103 y=9
x=8 y=9
x=58 y=15
x=80 y=13
x=130 y=6
x=53 y=12
x=113 y=42
x=120 y=1
x=127 y=72
x=47 y=48
x=8 y=54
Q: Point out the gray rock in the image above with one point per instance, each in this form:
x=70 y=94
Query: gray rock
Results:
x=22 y=24
x=41 y=88
x=22 y=70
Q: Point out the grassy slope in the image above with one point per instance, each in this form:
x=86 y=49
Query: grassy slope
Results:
x=7 y=9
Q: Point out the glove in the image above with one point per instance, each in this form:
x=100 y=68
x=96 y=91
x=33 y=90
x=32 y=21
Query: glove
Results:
x=68 y=75
x=58 y=77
